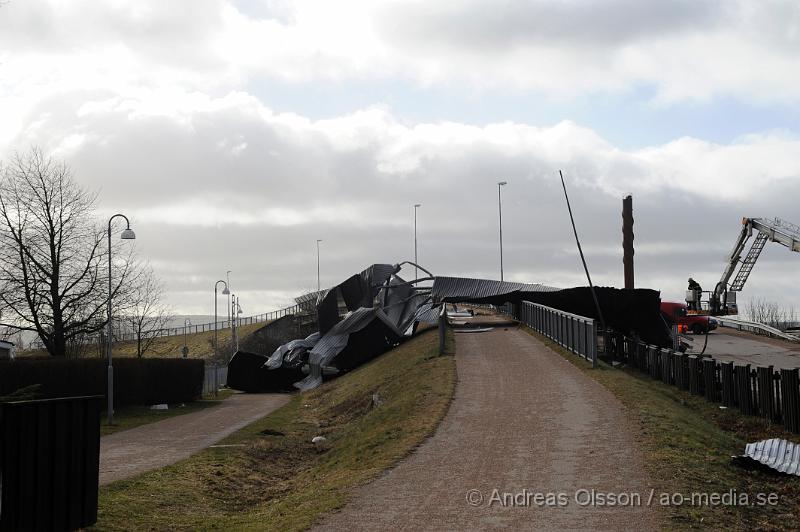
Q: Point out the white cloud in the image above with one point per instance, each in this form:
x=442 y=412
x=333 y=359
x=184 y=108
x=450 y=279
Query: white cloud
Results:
x=215 y=183
x=687 y=50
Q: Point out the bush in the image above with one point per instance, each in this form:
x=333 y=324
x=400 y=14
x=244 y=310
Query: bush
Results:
x=137 y=381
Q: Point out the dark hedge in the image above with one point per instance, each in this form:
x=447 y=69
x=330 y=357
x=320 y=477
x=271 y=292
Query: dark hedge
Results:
x=137 y=381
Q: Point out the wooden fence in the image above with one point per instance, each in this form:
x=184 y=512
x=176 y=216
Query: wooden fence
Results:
x=758 y=391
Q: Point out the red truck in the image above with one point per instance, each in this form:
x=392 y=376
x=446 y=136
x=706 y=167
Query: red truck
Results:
x=678 y=313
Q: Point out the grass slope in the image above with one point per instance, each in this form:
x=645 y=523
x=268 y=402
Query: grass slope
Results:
x=271 y=477
x=201 y=345
x=688 y=444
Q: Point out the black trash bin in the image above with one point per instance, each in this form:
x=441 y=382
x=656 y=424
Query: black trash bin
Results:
x=49 y=463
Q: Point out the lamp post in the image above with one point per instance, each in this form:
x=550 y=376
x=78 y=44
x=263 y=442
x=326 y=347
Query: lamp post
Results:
x=416 y=206
x=228 y=281
x=318 y=285
x=500 y=211
x=225 y=292
x=127 y=234
x=236 y=309
x=186 y=323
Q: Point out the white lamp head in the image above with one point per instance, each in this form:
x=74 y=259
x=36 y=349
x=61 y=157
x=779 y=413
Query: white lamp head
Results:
x=128 y=234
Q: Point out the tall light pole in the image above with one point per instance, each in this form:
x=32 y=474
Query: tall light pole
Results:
x=318 y=285
x=127 y=234
x=500 y=211
x=185 y=350
x=228 y=281
x=236 y=310
x=225 y=292
x=416 y=206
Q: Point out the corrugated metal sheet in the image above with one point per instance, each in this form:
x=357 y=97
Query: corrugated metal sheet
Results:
x=462 y=288
x=781 y=455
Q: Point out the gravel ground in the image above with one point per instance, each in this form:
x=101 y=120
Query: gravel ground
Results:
x=131 y=452
x=523 y=418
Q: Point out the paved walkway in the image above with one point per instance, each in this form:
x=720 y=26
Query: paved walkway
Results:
x=729 y=345
x=131 y=452
x=523 y=418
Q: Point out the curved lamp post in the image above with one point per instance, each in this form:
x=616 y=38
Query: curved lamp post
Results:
x=225 y=292
x=127 y=234
x=500 y=211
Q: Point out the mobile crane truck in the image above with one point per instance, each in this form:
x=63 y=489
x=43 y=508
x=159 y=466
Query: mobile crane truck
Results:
x=722 y=300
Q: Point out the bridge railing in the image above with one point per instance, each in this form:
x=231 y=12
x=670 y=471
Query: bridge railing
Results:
x=571 y=331
x=735 y=322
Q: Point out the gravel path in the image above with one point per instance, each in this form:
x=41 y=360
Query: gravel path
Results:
x=131 y=452
x=523 y=418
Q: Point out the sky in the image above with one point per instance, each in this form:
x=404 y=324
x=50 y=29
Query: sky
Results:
x=234 y=134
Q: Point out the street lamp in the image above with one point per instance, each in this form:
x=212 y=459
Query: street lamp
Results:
x=225 y=292
x=416 y=206
x=500 y=211
x=228 y=281
x=236 y=310
x=318 y=286
x=186 y=323
x=127 y=234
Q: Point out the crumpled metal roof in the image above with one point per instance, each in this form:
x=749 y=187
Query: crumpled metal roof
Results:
x=781 y=455
x=336 y=339
x=464 y=288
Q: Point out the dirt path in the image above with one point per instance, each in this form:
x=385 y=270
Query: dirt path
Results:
x=523 y=418
x=131 y=452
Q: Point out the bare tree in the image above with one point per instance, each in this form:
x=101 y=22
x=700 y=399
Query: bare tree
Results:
x=770 y=313
x=51 y=253
x=146 y=313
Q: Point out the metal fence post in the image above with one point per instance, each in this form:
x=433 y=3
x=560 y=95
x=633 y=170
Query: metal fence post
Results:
x=442 y=327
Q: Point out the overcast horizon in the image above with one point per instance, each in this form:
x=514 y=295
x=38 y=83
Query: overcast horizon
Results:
x=234 y=134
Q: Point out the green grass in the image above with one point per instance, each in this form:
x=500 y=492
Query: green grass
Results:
x=688 y=443
x=274 y=478
x=129 y=417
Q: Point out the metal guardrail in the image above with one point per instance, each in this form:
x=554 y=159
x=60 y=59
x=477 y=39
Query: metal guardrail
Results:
x=125 y=336
x=755 y=327
x=575 y=333
x=215 y=377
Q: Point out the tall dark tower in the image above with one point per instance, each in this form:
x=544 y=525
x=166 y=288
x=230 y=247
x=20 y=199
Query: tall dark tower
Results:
x=627 y=239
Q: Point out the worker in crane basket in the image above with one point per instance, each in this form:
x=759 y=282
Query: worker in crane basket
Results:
x=697 y=291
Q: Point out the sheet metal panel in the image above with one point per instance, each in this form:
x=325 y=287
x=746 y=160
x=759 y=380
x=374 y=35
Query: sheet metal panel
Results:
x=460 y=288
x=779 y=454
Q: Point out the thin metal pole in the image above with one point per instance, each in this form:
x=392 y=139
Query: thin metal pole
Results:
x=318 y=285
x=228 y=281
x=109 y=334
x=583 y=260
x=500 y=212
x=215 y=313
x=415 y=241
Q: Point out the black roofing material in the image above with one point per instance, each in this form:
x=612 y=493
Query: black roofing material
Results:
x=381 y=309
x=632 y=312
x=246 y=373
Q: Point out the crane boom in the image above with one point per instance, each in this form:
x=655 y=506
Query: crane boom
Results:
x=774 y=230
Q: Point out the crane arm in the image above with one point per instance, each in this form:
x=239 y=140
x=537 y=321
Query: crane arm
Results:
x=777 y=230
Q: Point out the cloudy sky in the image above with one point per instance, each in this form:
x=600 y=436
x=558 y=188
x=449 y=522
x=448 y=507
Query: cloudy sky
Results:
x=236 y=133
